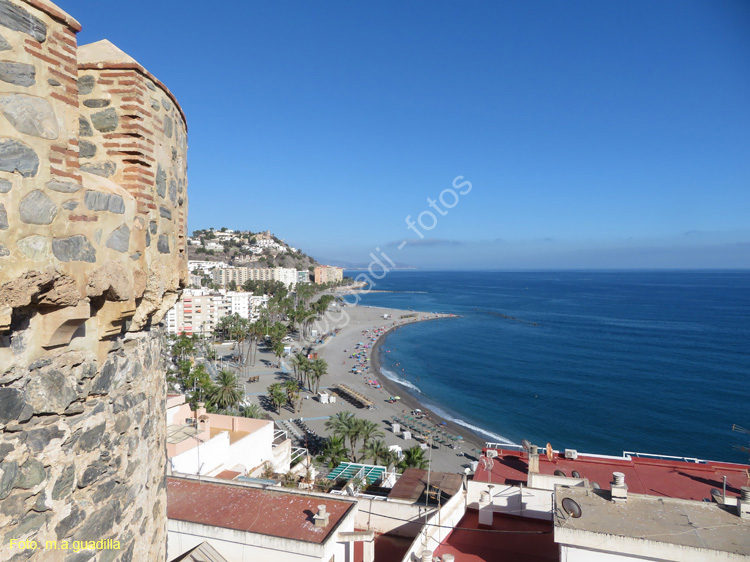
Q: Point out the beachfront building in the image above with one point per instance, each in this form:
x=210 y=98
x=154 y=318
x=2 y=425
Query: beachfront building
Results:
x=210 y=444
x=328 y=274
x=241 y=521
x=225 y=275
x=585 y=508
x=199 y=310
x=303 y=276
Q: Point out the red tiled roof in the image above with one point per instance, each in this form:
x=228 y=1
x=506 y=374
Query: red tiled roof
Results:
x=253 y=510
x=658 y=477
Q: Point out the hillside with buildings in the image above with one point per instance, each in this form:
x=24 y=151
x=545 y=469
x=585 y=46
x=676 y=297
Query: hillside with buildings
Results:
x=246 y=248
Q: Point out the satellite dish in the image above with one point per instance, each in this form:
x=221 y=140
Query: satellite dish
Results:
x=596 y=486
x=572 y=508
x=550 y=454
x=559 y=473
x=525 y=444
x=576 y=474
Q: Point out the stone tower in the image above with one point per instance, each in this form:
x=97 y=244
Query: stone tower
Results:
x=93 y=210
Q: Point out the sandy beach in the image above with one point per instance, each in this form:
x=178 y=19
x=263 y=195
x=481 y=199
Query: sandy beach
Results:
x=366 y=326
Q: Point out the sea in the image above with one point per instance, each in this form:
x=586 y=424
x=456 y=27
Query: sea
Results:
x=598 y=361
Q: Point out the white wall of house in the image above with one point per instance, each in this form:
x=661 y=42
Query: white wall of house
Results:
x=438 y=526
x=241 y=545
x=584 y=546
x=389 y=517
x=514 y=500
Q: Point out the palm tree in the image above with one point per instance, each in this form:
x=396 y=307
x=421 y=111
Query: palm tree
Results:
x=345 y=425
x=369 y=431
x=228 y=392
x=413 y=458
x=251 y=411
x=292 y=394
x=375 y=449
x=319 y=368
x=277 y=396
x=278 y=350
x=334 y=451
x=298 y=361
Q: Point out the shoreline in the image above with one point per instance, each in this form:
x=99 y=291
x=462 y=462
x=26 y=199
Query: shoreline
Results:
x=411 y=402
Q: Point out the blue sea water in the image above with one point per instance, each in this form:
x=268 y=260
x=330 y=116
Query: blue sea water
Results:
x=601 y=362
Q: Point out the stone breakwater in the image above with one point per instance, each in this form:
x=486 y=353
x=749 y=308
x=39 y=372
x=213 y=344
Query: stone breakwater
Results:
x=93 y=212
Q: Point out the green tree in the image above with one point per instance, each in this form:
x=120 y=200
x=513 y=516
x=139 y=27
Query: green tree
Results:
x=227 y=392
x=376 y=450
x=252 y=411
x=334 y=451
x=319 y=368
x=369 y=431
x=293 y=394
x=277 y=396
x=413 y=458
x=278 y=350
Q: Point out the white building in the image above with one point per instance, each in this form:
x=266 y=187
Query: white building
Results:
x=263 y=524
x=209 y=444
x=204 y=266
x=287 y=275
x=199 y=310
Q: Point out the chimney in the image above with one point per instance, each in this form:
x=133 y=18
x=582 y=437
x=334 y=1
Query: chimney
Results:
x=619 y=488
x=533 y=459
x=200 y=410
x=743 y=503
x=321 y=518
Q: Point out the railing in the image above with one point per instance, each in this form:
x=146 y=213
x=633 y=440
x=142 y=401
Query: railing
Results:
x=298 y=452
x=510 y=446
x=629 y=454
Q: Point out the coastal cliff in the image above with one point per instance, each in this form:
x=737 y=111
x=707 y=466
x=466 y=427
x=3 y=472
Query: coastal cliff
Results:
x=93 y=211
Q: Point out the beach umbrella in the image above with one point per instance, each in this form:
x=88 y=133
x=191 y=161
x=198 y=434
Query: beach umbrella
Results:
x=459 y=437
x=397 y=398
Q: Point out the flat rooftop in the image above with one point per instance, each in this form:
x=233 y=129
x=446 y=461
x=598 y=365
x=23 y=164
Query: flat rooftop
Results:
x=667 y=478
x=178 y=433
x=692 y=524
x=511 y=539
x=412 y=485
x=253 y=510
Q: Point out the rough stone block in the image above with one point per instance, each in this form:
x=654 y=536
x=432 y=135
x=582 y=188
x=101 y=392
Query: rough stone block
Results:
x=37 y=208
x=105 y=121
x=15 y=156
x=104 y=169
x=99 y=201
x=30 y=115
x=18 y=73
x=86 y=85
x=119 y=240
x=74 y=248
x=35 y=247
x=16 y=18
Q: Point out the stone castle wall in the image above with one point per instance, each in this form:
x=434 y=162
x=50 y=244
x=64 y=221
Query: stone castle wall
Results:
x=93 y=211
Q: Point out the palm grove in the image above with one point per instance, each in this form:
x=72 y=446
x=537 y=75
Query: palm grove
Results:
x=285 y=313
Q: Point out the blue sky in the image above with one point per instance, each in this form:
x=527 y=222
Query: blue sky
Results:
x=594 y=134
